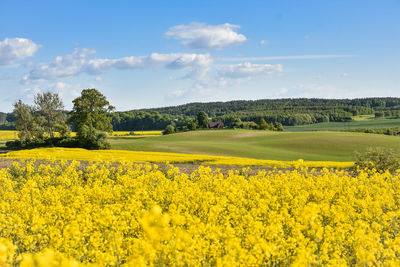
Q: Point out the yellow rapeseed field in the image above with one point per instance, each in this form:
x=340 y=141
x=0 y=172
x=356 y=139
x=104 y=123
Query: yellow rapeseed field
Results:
x=107 y=214
x=162 y=157
x=11 y=134
x=8 y=135
x=135 y=134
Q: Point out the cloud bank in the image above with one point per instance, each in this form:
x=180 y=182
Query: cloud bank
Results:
x=204 y=36
x=79 y=62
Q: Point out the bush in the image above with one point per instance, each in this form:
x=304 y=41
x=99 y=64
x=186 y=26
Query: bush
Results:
x=98 y=141
x=169 y=130
x=49 y=142
x=381 y=159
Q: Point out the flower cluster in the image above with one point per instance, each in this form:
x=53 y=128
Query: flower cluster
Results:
x=64 y=213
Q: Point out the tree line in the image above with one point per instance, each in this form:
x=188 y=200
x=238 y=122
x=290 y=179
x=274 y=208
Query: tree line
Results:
x=46 y=123
x=244 y=113
x=288 y=112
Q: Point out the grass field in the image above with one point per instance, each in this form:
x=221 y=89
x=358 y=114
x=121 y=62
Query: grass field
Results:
x=360 y=122
x=328 y=146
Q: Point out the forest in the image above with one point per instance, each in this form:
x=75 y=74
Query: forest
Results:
x=288 y=112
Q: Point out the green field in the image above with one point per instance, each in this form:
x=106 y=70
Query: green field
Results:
x=332 y=146
x=360 y=122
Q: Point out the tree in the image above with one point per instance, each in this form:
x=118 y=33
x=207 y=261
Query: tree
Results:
x=49 y=108
x=192 y=125
x=263 y=125
x=278 y=126
x=90 y=115
x=202 y=119
x=169 y=129
x=237 y=123
x=26 y=122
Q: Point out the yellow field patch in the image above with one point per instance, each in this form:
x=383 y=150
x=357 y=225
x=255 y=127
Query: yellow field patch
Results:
x=162 y=157
x=66 y=214
x=8 y=135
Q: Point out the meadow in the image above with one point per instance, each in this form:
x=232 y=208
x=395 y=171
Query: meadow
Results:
x=314 y=146
x=357 y=123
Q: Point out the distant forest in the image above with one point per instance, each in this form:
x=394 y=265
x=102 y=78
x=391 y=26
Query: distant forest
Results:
x=288 y=112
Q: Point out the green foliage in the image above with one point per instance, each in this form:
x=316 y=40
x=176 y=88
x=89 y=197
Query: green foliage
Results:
x=28 y=124
x=90 y=115
x=386 y=131
x=202 y=119
x=237 y=123
x=249 y=125
x=47 y=142
x=169 y=130
x=48 y=107
x=192 y=125
x=90 y=138
x=43 y=119
x=381 y=159
x=263 y=125
x=278 y=126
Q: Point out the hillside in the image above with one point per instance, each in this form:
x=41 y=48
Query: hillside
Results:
x=332 y=146
x=289 y=112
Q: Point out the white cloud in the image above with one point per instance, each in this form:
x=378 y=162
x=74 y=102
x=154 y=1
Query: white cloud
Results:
x=79 y=62
x=248 y=70
x=264 y=42
x=204 y=36
x=221 y=77
x=61 y=67
x=285 y=57
x=12 y=49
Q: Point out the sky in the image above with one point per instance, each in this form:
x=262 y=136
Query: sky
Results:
x=144 y=54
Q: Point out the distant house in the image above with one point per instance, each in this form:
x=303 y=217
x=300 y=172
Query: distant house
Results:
x=216 y=124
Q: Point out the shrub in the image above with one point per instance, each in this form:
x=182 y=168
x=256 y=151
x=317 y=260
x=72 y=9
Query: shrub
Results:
x=98 y=141
x=49 y=142
x=169 y=130
x=381 y=159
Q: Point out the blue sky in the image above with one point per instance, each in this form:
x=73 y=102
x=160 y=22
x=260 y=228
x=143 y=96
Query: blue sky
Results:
x=144 y=54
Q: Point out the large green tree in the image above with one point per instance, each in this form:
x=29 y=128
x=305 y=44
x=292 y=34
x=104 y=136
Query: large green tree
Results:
x=90 y=116
x=49 y=108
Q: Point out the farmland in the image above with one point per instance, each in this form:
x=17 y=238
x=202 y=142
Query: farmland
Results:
x=326 y=146
x=251 y=198
x=282 y=198
x=359 y=122
x=138 y=215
